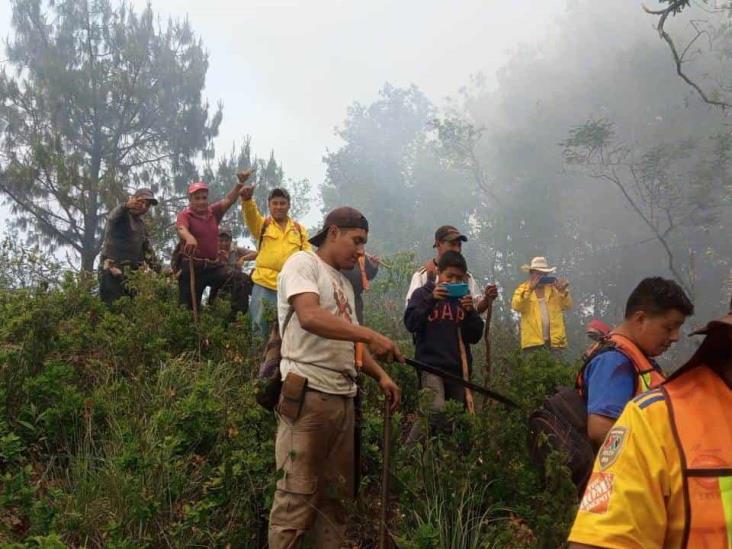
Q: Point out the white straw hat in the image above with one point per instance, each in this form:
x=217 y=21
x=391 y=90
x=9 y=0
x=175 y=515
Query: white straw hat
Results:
x=539 y=264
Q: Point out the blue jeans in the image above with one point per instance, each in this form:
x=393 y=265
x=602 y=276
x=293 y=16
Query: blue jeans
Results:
x=262 y=308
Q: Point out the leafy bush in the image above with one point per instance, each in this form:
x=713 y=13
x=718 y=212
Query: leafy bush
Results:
x=133 y=427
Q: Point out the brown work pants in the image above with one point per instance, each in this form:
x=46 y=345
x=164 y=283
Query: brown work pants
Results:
x=314 y=456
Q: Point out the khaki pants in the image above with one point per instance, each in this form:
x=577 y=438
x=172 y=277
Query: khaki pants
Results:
x=442 y=390
x=314 y=456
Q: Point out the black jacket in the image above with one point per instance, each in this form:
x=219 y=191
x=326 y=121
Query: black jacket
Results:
x=435 y=324
x=126 y=241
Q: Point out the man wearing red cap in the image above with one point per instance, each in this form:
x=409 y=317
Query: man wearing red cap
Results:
x=198 y=229
x=663 y=477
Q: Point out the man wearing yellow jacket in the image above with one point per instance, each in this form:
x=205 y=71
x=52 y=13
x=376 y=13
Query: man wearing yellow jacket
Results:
x=277 y=237
x=541 y=302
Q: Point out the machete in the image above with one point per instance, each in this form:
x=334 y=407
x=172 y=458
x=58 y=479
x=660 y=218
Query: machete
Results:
x=457 y=379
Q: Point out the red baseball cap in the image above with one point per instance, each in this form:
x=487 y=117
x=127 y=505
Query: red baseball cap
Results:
x=197 y=186
x=598 y=326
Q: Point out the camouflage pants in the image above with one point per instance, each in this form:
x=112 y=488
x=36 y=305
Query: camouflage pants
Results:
x=314 y=456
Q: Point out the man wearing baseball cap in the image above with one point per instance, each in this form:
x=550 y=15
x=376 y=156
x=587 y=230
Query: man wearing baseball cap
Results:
x=315 y=448
x=198 y=229
x=449 y=238
x=663 y=477
x=233 y=255
x=126 y=246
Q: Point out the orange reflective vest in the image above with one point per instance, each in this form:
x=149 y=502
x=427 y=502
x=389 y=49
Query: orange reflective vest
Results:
x=648 y=376
x=700 y=411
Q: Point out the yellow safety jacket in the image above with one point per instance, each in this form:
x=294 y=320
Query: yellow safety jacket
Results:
x=274 y=244
x=527 y=305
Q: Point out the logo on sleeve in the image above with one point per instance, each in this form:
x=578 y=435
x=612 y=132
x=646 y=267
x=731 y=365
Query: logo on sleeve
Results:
x=612 y=447
x=597 y=494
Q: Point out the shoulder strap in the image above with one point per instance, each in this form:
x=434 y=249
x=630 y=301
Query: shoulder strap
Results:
x=299 y=230
x=603 y=346
x=287 y=320
x=641 y=363
x=265 y=225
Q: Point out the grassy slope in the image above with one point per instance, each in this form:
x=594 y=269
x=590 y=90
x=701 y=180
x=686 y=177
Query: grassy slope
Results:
x=120 y=429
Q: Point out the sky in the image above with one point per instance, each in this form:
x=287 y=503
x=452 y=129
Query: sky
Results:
x=286 y=71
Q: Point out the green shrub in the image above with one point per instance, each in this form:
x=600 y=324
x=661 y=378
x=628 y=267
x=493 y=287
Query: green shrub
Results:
x=132 y=427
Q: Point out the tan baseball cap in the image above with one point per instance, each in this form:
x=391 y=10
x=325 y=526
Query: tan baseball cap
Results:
x=448 y=233
x=146 y=194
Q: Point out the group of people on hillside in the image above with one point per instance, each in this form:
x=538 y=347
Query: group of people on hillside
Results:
x=663 y=474
x=205 y=257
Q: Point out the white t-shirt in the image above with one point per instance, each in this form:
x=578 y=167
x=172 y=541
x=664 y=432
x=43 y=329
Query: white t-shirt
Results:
x=419 y=279
x=323 y=361
x=544 y=308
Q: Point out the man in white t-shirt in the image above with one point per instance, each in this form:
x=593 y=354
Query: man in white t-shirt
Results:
x=314 y=449
x=448 y=238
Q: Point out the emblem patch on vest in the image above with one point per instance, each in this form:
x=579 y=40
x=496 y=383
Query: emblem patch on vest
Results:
x=597 y=494
x=611 y=448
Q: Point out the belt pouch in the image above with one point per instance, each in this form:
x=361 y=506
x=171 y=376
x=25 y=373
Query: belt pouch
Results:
x=292 y=396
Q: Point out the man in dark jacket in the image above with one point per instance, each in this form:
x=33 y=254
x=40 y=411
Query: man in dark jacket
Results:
x=126 y=246
x=443 y=328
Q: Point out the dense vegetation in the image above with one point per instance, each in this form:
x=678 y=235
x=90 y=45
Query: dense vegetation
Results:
x=133 y=427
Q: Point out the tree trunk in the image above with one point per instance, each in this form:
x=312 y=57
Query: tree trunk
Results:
x=90 y=246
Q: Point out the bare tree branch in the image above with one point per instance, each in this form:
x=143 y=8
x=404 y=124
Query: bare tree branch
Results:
x=679 y=59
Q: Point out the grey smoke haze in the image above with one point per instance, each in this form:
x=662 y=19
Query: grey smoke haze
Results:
x=287 y=73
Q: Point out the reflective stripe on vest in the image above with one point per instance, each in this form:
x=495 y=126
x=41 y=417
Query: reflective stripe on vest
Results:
x=700 y=408
x=648 y=377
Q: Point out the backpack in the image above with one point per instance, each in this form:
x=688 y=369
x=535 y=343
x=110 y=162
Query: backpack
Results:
x=268 y=222
x=268 y=393
x=560 y=424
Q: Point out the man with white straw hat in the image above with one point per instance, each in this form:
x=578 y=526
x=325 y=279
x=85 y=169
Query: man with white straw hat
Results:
x=541 y=302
